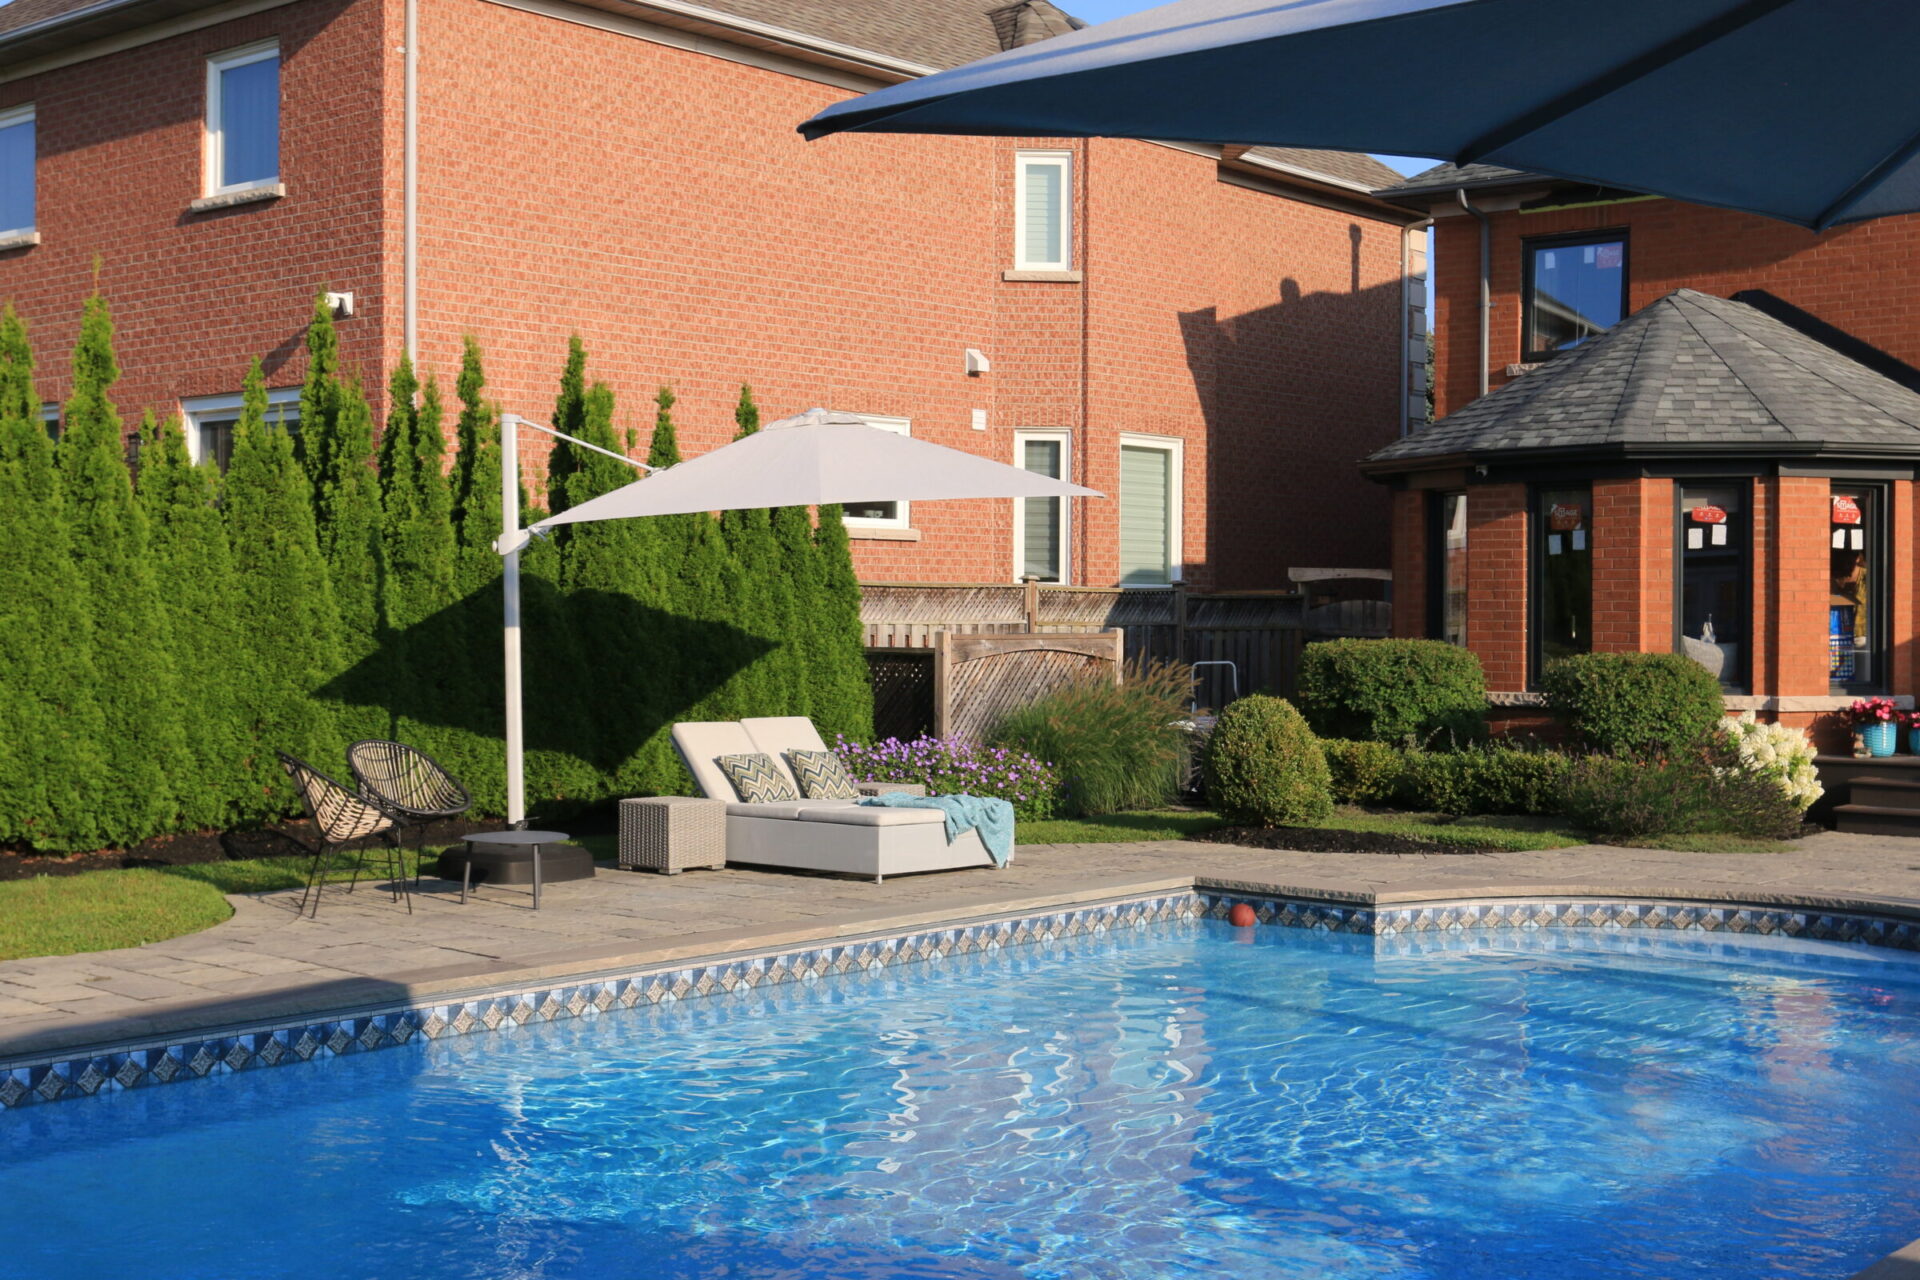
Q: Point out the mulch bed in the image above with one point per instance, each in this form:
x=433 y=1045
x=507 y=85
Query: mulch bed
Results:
x=289 y=839
x=1322 y=840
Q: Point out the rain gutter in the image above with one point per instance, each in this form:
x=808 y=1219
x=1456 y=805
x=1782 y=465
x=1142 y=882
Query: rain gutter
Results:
x=1486 y=276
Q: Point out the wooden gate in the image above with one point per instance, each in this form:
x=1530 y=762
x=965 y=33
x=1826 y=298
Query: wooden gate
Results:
x=977 y=679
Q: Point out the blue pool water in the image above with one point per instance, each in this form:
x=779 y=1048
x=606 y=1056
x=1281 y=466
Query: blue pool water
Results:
x=1182 y=1099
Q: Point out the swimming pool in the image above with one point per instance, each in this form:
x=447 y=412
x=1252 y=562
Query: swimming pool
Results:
x=1179 y=1099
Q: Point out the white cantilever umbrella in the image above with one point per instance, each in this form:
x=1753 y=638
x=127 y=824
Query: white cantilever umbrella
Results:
x=812 y=459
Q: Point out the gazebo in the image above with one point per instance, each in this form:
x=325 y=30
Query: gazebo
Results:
x=1702 y=478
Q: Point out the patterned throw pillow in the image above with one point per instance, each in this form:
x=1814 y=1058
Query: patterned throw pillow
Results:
x=822 y=776
x=755 y=778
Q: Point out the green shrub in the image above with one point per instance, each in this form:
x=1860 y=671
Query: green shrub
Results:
x=1633 y=799
x=1364 y=772
x=1634 y=703
x=1117 y=747
x=1401 y=691
x=1264 y=766
x=1493 y=778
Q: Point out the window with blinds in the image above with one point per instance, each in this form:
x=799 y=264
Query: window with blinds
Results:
x=1043 y=189
x=1040 y=524
x=243 y=118
x=16 y=171
x=1149 y=512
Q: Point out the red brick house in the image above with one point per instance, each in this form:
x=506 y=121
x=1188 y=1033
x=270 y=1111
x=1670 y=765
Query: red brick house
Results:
x=1196 y=331
x=1667 y=428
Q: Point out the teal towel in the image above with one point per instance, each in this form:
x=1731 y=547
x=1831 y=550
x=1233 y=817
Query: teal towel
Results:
x=992 y=818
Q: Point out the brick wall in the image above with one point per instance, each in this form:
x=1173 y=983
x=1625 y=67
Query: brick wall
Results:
x=1410 y=573
x=1859 y=278
x=1497 y=583
x=656 y=201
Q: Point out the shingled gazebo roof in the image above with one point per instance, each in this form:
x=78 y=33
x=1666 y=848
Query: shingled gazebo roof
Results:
x=1690 y=374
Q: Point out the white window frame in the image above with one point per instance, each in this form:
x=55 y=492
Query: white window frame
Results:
x=50 y=418
x=1176 y=448
x=215 y=148
x=1065 y=439
x=1062 y=160
x=8 y=119
x=902 y=517
x=220 y=408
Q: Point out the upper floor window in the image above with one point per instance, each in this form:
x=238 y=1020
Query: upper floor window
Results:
x=879 y=515
x=16 y=171
x=1040 y=524
x=1042 y=211
x=243 y=118
x=210 y=421
x=1150 y=484
x=1576 y=287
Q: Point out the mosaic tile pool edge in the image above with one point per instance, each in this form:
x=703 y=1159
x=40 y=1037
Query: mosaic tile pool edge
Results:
x=57 y=1078
x=282 y=1043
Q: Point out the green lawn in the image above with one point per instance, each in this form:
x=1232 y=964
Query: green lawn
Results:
x=1515 y=834
x=1709 y=842
x=1110 y=828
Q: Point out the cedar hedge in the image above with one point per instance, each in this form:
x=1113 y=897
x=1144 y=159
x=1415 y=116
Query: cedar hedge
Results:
x=1400 y=691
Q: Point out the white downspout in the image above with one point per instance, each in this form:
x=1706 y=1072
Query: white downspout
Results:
x=1486 y=279
x=409 y=186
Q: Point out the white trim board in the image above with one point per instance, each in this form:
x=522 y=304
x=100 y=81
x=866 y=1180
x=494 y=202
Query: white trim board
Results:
x=167 y=30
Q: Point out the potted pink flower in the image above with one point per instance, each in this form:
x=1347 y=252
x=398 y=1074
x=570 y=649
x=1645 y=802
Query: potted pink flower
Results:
x=1877 y=722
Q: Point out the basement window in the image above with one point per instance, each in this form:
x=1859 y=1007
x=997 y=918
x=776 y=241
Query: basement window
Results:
x=210 y=420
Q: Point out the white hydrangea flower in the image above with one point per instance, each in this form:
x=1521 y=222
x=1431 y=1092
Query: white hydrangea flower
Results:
x=1785 y=753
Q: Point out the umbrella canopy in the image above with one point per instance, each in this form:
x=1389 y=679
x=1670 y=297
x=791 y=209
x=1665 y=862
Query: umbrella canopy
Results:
x=1803 y=110
x=816 y=457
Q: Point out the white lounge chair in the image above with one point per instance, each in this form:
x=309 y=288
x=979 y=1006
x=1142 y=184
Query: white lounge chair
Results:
x=815 y=835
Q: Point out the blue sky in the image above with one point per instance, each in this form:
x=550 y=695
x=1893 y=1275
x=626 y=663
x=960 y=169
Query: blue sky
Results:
x=1101 y=10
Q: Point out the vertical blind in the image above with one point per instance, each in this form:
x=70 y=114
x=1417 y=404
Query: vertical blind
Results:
x=16 y=177
x=1040 y=517
x=250 y=122
x=1043 y=191
x=1146 y=516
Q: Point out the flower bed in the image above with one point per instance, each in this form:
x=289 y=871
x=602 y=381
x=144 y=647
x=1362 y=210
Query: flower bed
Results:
x=955 y=766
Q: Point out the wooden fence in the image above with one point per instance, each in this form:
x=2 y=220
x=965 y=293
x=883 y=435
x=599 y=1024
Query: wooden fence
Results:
x=1241 y=642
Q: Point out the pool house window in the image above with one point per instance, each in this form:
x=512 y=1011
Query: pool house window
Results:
x=1576 y=287
x=243 y=119
x=1040 y=532
x=1714 y=565
x=1562 y=574
x=17 y=156
x=1856 y=616
x=1042 y=211
x=1447 y=568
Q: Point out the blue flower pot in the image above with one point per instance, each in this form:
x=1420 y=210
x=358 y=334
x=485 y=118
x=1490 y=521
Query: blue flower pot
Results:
x=1881 y=737
x=1913 y=739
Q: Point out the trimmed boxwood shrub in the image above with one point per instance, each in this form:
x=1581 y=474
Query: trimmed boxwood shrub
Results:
x=1634 y=703
x=1402 y=691
x=1484 y=779
x=1626 y=798
x=1364 y=772
x=1264 y=767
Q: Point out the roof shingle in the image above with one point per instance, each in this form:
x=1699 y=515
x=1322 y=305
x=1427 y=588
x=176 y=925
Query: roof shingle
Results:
x=1689 y=370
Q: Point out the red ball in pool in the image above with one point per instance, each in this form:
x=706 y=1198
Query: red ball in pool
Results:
x=1241 y=916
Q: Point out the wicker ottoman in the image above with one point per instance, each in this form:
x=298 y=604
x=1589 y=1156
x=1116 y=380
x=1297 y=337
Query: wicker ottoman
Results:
x=672 y=833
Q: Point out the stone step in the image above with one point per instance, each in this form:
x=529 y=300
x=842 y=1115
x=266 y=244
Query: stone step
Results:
x=1876 y=820
x=1885 y=793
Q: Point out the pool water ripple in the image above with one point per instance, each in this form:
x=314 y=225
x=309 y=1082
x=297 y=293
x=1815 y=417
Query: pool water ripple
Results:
x=1179 y=1100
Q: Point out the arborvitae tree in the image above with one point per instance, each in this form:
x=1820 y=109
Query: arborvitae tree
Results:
x=190 y=555
x=52 y=770
x=290 y=627
x=320 y=403
x=842 y=690
x=570 y=416
x=335 y=446
x=138 y=691
x=476 y=476
x=766 y=685
x=416 y=527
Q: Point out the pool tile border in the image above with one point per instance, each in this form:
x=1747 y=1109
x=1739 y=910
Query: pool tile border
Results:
x=59 y=1077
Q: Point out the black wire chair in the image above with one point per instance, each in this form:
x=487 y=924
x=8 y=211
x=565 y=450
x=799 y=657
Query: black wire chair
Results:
x=408 y=783
x=342 y=817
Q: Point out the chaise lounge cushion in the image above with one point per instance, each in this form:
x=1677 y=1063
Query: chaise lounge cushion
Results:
x=854 y=815
x=781 y=808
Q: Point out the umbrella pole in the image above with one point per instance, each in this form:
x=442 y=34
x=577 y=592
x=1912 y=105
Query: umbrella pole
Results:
x=510 y=582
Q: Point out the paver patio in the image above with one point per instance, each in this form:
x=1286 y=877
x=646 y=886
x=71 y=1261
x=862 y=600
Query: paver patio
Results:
x=268 y=963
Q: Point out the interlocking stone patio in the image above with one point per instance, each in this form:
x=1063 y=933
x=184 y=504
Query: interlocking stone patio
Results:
x=267 y=963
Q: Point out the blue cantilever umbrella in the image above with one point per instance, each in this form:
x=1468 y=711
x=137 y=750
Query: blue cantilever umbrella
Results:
x=1803 y=110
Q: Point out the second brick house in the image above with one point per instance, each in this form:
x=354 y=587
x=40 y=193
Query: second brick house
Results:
x=1210 y=335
